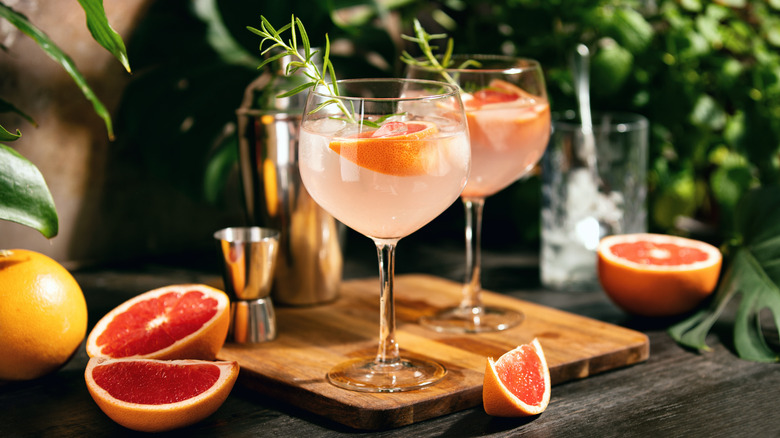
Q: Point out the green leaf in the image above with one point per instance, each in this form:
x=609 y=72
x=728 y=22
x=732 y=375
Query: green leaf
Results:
x=24 y=196
x=8 y=107
x=7 y=136
x=23 y=24
x=101 y=31
x=219 y=168
x=753 y=275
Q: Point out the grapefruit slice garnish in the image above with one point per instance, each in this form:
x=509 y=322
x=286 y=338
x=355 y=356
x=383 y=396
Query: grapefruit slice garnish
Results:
x=159 y=395
x=188 y=321
x=518 y=383
x=395 y=148
x=655 y=274
x=504 y=116
x=497 y=93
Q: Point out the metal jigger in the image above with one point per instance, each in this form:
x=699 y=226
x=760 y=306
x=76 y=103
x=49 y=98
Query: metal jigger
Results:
x=249 y=260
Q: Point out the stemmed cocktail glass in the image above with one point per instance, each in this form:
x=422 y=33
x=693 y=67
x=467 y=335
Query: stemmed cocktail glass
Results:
x=385 y=157
x=509 y=122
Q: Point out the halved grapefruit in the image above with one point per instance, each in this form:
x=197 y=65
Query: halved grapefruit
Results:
x=396 y=148
x=150 y=395
x=518 y=383
x=186 y=321
x=656 y=274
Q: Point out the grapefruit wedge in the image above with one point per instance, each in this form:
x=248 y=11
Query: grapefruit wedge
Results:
x=396 y=148
x=518 y=383
x=655 y=274
x=186 y=321
x=150 y=395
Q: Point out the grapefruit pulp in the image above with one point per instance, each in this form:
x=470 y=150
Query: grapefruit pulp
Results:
x=518 y=383
x=396 y=148
x=655 y=274
x=187 y=321
x=158 y=395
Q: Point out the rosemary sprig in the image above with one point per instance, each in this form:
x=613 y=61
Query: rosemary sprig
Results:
x=431 y=61
x=302 y=62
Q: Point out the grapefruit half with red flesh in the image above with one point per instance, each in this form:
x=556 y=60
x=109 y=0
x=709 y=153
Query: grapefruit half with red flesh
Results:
x=159 y=395
x=187 y=321
x=655 y=274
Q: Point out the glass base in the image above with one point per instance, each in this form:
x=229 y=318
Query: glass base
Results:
x=473 y=320
x=366 y=375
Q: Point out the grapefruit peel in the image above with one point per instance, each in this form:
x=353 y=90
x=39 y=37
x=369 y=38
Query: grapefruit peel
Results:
x=511 y=386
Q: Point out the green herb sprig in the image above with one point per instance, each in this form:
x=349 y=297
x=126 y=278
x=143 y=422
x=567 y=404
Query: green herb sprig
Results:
x=301 y=61
x=431 y=61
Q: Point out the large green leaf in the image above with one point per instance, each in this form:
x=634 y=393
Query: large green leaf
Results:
x=23 y=24
x=97 y=23
x=24 y=196
x=753 y=276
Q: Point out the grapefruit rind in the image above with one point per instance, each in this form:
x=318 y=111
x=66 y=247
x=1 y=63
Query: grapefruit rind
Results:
x=204 y=343
x=499 y=401
x=163 y=417
x=400 y=155
x=657 y=291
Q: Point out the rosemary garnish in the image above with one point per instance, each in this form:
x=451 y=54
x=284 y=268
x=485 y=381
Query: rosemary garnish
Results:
x=431 y=61
x=302 y=62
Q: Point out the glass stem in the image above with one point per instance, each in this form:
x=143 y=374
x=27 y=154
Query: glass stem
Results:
x=472 y=288
x=388 y=352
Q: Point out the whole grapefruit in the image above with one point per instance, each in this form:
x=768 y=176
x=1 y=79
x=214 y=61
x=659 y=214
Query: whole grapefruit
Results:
x=43 y=315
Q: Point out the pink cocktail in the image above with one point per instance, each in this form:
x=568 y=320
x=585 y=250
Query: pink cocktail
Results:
x=509 y=125
x=385 y=157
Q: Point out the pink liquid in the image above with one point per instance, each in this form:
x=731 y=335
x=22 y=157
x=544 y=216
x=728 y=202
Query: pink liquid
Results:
x=382 y=205
x=507 y=140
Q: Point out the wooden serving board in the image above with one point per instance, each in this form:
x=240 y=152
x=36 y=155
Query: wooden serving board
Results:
x=311 y=340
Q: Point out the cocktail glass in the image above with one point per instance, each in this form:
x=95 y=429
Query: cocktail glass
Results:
x=509 y=122
x=385 y=157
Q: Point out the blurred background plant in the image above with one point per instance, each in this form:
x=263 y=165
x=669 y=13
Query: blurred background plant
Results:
x=706 y=74
x=24 y=195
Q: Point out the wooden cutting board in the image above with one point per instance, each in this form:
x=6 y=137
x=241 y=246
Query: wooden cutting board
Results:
x=311 y=340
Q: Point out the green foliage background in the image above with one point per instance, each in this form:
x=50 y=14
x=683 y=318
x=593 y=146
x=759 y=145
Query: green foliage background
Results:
x=706 y=74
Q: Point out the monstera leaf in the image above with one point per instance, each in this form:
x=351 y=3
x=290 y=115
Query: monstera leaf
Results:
x=753 y=276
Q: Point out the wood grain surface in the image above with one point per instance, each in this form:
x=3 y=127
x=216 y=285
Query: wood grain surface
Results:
x=292 y=368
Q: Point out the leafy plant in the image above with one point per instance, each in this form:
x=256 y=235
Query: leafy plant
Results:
x=753 y=276
x=303 y=60
x=24 y=195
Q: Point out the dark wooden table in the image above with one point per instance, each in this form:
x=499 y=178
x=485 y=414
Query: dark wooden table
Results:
x=676 y=393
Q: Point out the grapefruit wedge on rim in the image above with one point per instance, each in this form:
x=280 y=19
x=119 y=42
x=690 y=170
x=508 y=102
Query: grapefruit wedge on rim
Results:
x=150 y=395
x=518 y=383
x=655 y=274
x=396 y=148
x=186 y=321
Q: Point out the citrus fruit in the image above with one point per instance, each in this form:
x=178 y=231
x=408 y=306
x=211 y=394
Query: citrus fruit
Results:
x=656 y=274
x=518 y=383
x=396 y=148
x=151 y=395
x=43 y=315
x=504 y=116
x=186 y=321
